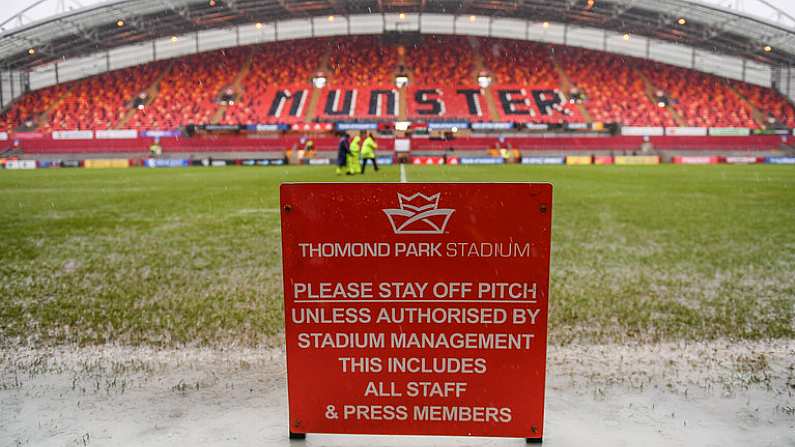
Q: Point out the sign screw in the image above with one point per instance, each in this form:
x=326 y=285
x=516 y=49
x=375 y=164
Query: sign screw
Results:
x=543 y=208
x=288 y=208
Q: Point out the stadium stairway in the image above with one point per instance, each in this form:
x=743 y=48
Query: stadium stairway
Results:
x=403 y=106
x=477 y=59
x=769 y=102
x=566 y=86
x=322 y=66
x=44 y=118
x=152 y=91
x=650 y=88
x=756 y=114
x=236 y=85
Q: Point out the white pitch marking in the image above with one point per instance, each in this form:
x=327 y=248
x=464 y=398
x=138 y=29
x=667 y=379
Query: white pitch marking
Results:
x=403 y=173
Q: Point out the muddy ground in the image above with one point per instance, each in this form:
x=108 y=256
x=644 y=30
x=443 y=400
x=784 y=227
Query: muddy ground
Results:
x=707 y=394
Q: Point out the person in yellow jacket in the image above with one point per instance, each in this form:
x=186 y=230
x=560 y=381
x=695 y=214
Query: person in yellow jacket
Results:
x=353 y=157
x=368 y=152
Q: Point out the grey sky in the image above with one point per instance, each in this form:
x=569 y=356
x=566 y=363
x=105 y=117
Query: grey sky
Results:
x=755 y=7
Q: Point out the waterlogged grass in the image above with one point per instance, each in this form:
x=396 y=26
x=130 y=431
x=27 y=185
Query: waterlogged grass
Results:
x=665 y=252
x=192 y=256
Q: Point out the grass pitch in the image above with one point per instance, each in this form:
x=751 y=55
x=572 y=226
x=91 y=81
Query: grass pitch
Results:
x=167 y=257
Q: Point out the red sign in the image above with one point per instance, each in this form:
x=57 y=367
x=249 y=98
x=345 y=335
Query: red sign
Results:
x=434 y=160
x=696 y=160
x=416 y=308
x=28 y=135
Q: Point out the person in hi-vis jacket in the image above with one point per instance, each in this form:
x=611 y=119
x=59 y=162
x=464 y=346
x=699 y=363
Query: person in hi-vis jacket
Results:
x=368 y=152
x=353 y=159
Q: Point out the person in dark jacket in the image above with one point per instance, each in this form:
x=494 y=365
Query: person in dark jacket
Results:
x=343 y=152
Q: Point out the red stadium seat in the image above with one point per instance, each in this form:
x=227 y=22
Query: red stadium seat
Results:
x=768 y=101
x=186 y=89
x=272 y=66
x=189 y=91
x=701 y=99
x=441 y=60
x=614 y=89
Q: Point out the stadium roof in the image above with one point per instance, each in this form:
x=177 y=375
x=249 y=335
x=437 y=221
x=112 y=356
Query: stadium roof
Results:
x=97 y=28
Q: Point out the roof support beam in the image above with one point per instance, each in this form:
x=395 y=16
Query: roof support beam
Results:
x=234 y=6
x=42 y=48
x=778 y=10
x=135 y=21
x=86 y=34
x=709 y=27
x=715 y=31
x=184 y=13
x=18 y=16
x=618 y=11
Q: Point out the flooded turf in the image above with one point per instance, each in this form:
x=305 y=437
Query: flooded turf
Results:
x=717 y=393
x=144 y=307
x=192 y=256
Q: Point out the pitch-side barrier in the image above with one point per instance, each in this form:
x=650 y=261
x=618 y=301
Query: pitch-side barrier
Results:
x=572 y=160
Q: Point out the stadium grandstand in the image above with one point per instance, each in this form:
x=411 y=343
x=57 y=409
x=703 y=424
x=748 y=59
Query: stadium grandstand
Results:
x=226 y=77
x=469 y=223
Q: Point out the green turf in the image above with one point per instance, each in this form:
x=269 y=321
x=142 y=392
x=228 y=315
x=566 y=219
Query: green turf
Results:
x=165 y=257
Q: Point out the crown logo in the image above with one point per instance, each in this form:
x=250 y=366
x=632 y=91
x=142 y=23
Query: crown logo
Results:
x=418 y=214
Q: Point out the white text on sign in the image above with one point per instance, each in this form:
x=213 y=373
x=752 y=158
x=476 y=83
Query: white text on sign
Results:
x=415 y=290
